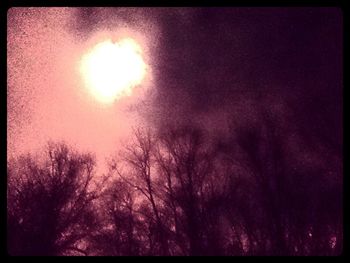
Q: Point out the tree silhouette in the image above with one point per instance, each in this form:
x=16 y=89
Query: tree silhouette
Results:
x=186 y=165
x=119 y=232
x=176 y=191
x=287 y=197
x=138 y=157
x=49 y=203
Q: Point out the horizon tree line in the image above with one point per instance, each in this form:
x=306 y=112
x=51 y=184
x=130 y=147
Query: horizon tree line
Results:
x=178 y=191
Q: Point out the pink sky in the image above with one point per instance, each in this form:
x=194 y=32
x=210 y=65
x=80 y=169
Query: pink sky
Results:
x=47 y=99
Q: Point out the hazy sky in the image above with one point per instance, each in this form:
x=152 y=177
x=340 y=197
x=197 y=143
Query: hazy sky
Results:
x=210 y=66
x=47 y=98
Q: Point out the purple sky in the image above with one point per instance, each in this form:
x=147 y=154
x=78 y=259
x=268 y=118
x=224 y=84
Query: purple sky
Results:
x=210 y=66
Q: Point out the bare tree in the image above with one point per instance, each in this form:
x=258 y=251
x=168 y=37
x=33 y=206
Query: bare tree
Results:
x=186 y=163
x=140 y=175
x=173 y=193
x=289 y=196
x=49 y=203
x=120 y=230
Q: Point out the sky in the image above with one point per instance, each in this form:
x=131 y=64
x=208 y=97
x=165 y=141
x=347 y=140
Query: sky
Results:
x=213 y=67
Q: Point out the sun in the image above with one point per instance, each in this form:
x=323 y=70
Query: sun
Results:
x=111 y=70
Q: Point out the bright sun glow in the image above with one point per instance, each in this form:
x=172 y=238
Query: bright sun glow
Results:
x=112 y=70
